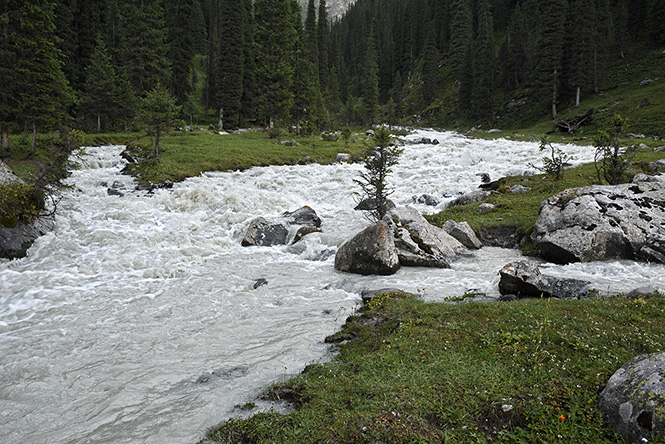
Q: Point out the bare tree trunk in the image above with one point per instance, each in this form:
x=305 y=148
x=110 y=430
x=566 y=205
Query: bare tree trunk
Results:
x=157 y=144
x=221 y=119
x=577 y=97
x=5 y=135
x=554 y=95
x=99 y=123
x=34 y=138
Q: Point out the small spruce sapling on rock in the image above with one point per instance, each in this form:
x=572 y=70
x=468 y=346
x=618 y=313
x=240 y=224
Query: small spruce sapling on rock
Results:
x=379 y=159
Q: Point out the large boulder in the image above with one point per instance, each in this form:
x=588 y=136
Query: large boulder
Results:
x=304 y=216
x=462 y=232
x=524 y=280
x=15 y=241
x=419 y=243
x=633 y=401
x=263 y=233
x=598 y=223
x=370 y=205
x=372 y=251
x=7 y=176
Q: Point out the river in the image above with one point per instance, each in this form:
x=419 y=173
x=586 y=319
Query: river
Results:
x=137 y=319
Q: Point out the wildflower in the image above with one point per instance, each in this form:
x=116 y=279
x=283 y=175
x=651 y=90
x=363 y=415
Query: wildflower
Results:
x=561 y=417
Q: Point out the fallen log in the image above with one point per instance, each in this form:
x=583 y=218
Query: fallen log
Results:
x=572 y=124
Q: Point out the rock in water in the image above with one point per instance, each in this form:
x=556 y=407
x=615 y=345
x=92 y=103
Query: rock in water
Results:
x=603 y=222
x=421 y=244
x=633 y=401
x=462 y=232
x=15 y=241
x=304 y=216
x=524 y=279
x=265 y=234
x=372 y=251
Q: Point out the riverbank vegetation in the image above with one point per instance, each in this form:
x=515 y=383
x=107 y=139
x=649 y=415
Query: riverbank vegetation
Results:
x=413 y=372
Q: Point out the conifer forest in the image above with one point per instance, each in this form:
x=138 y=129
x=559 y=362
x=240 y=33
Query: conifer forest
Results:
x=89 y=64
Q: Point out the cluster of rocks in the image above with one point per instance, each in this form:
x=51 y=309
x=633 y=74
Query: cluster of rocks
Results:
x=423 y=141
x=404 y=238
x=264 y=233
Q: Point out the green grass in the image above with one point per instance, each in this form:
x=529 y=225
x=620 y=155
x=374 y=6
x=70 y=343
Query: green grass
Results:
x=520 y=210
x=185 y=155
x=523 y=372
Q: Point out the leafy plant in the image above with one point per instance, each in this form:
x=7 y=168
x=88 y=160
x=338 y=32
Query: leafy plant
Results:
x=554 y=164
x=379 y=159
x=610 y=159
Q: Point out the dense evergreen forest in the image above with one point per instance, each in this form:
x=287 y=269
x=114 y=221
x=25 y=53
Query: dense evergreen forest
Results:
x=92 y=63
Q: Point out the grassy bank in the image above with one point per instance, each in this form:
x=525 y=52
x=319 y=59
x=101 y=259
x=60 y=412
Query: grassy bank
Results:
x=414 y=372
x=520 y=210
x=187 y=154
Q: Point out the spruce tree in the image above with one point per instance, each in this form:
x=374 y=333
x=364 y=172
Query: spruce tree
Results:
x=249 y=92
x=461 y=46
x=430 y=69
x=10 y=26
x=158 y=112
x=549 y=53
x=185 y=32
x=369 y=82
x=145 y=45
x=323 y=38
x=581 y=47
x=44 y=93
x=274 y=40
x=102 y=87
x=483 y=64
x=230 y=73
x=657 y=21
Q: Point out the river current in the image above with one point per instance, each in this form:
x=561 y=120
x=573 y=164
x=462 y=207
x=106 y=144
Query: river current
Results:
x=137 y=319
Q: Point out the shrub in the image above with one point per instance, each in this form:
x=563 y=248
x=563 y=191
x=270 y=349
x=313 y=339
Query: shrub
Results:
x=554 y=164
x=610 y=159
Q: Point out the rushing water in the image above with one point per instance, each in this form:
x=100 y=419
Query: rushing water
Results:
x=136 y=320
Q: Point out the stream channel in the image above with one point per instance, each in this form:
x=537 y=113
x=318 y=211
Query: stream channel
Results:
x=137 y=320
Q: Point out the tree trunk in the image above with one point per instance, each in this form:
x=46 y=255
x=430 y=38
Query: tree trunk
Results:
x=157 y=145
x=554 y=95
x=577 y=97
x=99 y=123
x=34 y=138
x=5 y=135
x=221 y=119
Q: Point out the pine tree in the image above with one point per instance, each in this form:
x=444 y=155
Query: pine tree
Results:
x=249 y=92
x=514 y=49
x=461 y=46
x=581 y=46
x=657 y=21
x=145 y=45
x=185 y=32
x=158 y=111
x=10 y=25
x=483 y=64
x=230 y=75
x=430 y=69
x=369 y=83
x=44 y=92
x=323 y=37
x=102 y=86
x=275 y=39
x=549 y=53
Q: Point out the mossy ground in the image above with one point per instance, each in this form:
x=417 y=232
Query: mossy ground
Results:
x=522 y=372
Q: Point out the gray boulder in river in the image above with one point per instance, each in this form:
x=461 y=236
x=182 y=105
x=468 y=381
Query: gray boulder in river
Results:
x=15 y=241
x=598 y=223
x=263 y=233
x=372 y=251
x=633 y=401
x=524 y=280
x=419 y=243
